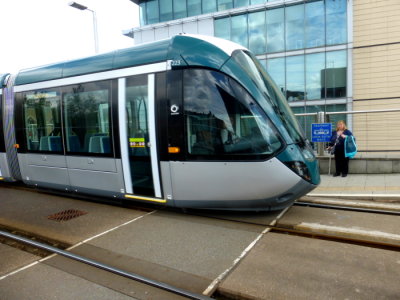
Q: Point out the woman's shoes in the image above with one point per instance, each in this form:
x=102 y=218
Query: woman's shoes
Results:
x=338 y=174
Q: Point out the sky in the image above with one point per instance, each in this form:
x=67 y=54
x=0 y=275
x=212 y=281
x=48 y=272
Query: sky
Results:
x=40 y=32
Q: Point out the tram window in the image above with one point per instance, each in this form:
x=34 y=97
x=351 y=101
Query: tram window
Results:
x=42 y=121
x=87 y=118
x=222 y=118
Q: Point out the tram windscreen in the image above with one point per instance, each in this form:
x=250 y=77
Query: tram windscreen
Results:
x=223 y=119
x=270 y=92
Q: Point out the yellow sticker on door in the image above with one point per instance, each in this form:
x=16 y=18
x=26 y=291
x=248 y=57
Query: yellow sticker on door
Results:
x=137 y=143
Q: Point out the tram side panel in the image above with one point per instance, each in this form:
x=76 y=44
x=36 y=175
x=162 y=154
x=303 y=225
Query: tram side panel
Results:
x=91 y=137
x=68 y=146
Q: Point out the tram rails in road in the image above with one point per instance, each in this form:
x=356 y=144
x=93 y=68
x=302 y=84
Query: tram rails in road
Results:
x=363 y=206
x=105 y=267
x=263 y=223
x=341 y=233
x=258 y=219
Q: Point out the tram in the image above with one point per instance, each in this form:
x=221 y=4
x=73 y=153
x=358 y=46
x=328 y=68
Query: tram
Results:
x=190 y=121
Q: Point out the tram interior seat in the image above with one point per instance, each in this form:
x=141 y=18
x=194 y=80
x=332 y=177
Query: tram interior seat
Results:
x=99 y=144
x=33 y=145
x=74 y=144
x=50 y=143
x=88 y=137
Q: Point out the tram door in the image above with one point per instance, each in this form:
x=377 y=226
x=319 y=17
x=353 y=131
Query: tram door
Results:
x=142 y=178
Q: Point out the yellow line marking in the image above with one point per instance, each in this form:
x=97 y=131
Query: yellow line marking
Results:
x=147 y=199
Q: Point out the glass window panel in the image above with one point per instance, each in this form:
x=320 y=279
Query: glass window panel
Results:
x=253 y=2
x=315 y=24
x=222 y=28
x=276 y=69
x=336 y=118
x=275 y=30
x=180 y=10
x=224 y=4
x=222 y=118
x=152 y=12
x=87 y=114
x=336 y=22
x=306 y=121
x=257 y=34
x=239 y=3
x=315 y=67
x=137 y=104
x=194 y=7
x=239 y=30
x=295 y=89
x=209 y=6
x=142 y=14
x=294 y=27
x=336 y=74
x=42 y=121
x=166 y=10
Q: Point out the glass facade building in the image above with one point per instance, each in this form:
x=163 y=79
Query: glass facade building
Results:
x=155 y=11
x=304 y=45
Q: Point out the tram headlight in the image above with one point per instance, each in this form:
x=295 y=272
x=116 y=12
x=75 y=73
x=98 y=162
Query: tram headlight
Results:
x=308 y=155
x=300 y=169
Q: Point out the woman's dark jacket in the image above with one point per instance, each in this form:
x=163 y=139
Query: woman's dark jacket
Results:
x=340 y=141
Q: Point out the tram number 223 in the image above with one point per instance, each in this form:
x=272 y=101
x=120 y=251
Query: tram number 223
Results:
x=175 y=63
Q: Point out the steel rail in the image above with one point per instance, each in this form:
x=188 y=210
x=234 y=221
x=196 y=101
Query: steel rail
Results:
x=348 y=208
x=313 y=234
x=108 y=268
x=338 y=238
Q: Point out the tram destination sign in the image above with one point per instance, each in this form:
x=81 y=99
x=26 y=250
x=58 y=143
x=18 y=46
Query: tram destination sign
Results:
x=321 y=132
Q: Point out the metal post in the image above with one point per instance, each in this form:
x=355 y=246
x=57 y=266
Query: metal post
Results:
x=320 y=145
x=96 y=36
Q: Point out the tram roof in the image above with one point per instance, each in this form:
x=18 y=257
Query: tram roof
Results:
x=189 y=49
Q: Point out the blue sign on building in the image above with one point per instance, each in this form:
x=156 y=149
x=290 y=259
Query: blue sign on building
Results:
x=321 y=132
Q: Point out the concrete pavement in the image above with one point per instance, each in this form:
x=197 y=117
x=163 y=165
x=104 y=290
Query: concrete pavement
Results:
x=378 y=187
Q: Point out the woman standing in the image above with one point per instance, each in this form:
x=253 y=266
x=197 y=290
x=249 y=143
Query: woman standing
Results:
x=337 y=141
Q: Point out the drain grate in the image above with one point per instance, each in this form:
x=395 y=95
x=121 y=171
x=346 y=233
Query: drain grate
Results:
x=66 y=215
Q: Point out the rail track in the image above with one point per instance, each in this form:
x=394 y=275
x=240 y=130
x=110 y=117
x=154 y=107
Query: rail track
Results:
x=43 y=247
x=277 y=228
x=51 y=249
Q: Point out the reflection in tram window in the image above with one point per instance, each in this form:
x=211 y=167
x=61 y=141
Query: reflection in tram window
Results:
x=87 y=117
x=42 y=121
x=222 y=118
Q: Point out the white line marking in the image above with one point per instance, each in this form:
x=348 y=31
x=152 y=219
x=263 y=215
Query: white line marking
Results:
x=18 y=270
x=211 y=288
x=109 y=230
x=72 y=247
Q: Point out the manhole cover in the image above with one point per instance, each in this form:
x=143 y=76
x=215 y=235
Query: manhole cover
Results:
x=66 y=215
